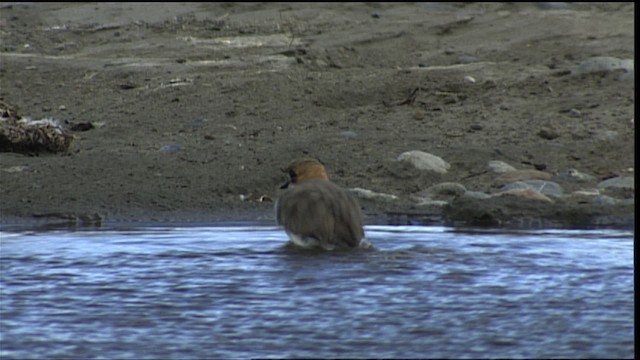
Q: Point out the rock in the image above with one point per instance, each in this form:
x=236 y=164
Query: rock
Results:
x=84 y=126
x=439 y=194
x=520 y=175
x=348 y=134
x=604 y=200
x=606 y=135
x=548 y=133
x=476 y=195
x=621 y=182
x=500 y=167
x=586 y=192
x=447 y=189
x=372 y=195
x=526 y=193
x=627 y=202
x=171 y=148
x=432 y=203
x=553 y=5
x=575 y=113
x=15 y=169
x=542 y=186
x=574 y=175
x=425 y=161
x=606 y=64
x=466 y=59
x=505 y=209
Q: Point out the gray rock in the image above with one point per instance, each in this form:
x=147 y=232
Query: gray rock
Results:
x=500 y=167
x=347 y=134
x=425 y=161
x=524 y=193
x=607 y=135
x=171 y=148
x=549 y=188
x=466 y=59
x=446 y=189
x=621 y=182
x=604 y=200
x=520 y=175
x=439 y=194
x=611 y=201
x=605 y=63
x=631 y=202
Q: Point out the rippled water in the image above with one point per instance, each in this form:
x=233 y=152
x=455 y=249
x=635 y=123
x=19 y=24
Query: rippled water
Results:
x=237 y=292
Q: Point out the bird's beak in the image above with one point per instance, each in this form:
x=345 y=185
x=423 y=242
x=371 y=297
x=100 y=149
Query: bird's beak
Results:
x=286 y=184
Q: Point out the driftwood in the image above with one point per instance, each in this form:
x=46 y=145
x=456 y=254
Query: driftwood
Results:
x=23 y=135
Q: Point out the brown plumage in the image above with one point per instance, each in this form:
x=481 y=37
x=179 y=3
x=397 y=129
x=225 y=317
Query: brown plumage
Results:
x=315 y=212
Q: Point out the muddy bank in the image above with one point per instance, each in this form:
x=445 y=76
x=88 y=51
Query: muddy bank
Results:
x=195 y=108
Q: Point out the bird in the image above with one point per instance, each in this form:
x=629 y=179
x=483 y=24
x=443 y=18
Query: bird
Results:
x=315 y=212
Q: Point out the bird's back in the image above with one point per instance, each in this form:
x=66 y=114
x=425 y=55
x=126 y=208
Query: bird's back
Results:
x=321 y=210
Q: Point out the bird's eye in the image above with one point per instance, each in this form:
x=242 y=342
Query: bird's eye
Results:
x=292 y=175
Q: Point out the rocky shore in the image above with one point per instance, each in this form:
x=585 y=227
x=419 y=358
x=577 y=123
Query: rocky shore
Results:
x=471 y=114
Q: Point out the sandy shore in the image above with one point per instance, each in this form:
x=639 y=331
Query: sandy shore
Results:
x=195 y=108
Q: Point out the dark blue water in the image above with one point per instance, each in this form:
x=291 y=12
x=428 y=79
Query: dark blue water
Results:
x=237 y=292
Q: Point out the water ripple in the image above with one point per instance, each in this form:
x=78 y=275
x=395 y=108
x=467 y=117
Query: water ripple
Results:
x=235 y=292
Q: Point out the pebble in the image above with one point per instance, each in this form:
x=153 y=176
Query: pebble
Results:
x=425 y=161
x=171 y=148
x=544 y=187
x=519 y=175
x=575 y=113
x=500 y=167
x=574 y=175
x=548 y=133
x=348 y=134
x=621 y=182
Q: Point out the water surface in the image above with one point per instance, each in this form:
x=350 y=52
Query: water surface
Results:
x=237 y=292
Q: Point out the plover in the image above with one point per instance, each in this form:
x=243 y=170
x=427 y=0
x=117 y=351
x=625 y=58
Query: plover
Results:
x=317 y=213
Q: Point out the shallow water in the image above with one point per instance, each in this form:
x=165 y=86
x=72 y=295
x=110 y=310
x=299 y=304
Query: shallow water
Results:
x=237 y=292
